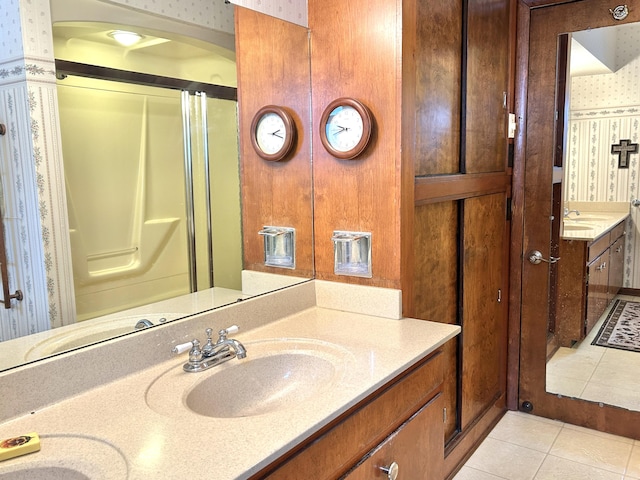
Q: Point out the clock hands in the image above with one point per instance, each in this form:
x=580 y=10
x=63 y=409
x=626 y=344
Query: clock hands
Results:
x=277 y=134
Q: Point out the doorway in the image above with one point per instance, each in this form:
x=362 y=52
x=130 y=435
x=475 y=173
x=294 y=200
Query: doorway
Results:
x=536 y=144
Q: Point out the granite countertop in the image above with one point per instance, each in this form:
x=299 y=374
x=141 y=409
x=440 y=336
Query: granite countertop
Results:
x=138 y=426
x=595 y=219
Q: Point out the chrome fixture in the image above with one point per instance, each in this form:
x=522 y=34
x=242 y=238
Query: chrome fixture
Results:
x=620 y=12
x=211 y=354
x=144 y=323
x=535 y=257
x=567 y=212
x=635 y=202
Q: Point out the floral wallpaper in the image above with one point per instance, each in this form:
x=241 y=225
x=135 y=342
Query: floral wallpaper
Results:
x=604 y=109
x=294 y=11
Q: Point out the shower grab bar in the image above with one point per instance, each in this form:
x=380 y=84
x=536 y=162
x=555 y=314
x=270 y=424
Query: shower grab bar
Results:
x=4 y=271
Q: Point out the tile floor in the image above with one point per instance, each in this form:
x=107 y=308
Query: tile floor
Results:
x=526 y=447
x=593 y=373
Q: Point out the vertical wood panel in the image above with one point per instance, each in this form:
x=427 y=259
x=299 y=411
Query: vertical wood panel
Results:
x=273 y=68
x=355 y=53
x=484 y=323
x=487 y=81
x=436 y=286
x=438 y=78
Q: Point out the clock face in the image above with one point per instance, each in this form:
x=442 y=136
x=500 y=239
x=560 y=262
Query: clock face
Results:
x=271 y=133
x=344 y=128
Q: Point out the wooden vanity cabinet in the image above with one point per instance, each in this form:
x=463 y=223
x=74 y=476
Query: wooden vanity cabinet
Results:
x=401 y=422
x=590 y=275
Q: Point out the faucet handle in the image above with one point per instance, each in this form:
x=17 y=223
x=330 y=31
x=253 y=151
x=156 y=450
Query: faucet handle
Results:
x=231 y=329
x=181 y=348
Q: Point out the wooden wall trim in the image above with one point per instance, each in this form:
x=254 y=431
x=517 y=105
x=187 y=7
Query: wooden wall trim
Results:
x=443 y=188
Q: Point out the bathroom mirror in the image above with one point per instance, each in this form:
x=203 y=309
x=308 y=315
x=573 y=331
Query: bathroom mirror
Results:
x=152 y=192
x=602 y=106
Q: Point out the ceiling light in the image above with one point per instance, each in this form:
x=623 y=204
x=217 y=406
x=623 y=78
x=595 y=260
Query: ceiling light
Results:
x=125 y=38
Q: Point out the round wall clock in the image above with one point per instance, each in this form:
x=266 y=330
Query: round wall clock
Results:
x=273 y=133
x=345 y=128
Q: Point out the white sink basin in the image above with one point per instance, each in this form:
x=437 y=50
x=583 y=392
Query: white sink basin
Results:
x=278 y=374
x=573 y=227
x=44 y=473
x=67 y=456
x=589 y=218
x=91 y=331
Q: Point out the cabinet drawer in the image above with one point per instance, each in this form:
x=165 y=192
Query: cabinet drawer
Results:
x=337 y=448
x=416 y=447
x=618 y=231
x=598 y=246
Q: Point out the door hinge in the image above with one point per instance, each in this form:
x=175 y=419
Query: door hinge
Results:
x=444 y=415
x=499 y=295
x=509 y=209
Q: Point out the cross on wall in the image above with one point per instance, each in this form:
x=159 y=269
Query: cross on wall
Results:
x=623 y=149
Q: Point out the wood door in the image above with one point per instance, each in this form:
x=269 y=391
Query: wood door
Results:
x=538 y=30
x=483 y=320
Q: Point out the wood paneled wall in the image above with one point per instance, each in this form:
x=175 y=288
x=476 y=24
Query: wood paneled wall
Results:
x=273 y=69
x=355 y=52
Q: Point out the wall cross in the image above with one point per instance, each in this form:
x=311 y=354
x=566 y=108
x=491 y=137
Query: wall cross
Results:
x=623 y=149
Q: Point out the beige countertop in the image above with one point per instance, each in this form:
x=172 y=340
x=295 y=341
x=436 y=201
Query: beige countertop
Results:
x=139 y=427
x=595 y=219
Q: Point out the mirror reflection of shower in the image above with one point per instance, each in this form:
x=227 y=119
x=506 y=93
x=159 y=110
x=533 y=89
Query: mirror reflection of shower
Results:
x=151 y=164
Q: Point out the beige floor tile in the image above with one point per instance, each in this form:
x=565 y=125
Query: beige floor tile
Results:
x=594 y=450
x=506 y=460
x=468 y=473
x=612 y=395
x=527 y=431
x=555 y=468
x=597 y=433
x=574 y=363
x=633 y=469
x=569 y=387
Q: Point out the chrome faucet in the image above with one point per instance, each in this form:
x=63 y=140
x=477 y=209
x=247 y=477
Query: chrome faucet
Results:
x=567 y=212
x=144 y=323
x=212 y=354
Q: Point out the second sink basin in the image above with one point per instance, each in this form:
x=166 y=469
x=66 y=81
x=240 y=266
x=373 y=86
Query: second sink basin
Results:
x=276 y=375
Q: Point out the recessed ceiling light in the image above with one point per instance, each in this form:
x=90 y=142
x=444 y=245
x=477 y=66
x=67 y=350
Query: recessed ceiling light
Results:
x=125 y=38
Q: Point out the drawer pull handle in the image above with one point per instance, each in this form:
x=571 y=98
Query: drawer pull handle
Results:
x=391 y=471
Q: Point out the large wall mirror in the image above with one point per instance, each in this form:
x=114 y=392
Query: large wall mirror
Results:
x=149 y=134
x=602 y=111
x=566 y=164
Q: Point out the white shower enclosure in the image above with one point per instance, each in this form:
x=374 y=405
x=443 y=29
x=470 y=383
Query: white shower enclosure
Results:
x=153 y=193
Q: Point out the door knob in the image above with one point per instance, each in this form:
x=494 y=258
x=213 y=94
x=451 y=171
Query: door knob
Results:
x=391 y=471
x=535 y=257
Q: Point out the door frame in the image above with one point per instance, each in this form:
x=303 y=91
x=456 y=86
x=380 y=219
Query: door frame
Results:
x=538 y=24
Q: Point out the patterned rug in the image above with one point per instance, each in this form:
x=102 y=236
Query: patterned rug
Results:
x=621 y=329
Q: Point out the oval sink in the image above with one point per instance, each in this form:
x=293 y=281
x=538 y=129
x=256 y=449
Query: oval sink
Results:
x=68 y=456
x=577 y=227
x=44 y=473
x=278 y=374
x=591 y=218
x=276 y=380
x=92 y=331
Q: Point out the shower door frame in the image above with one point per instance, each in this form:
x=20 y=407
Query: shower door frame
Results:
x=201 y=91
